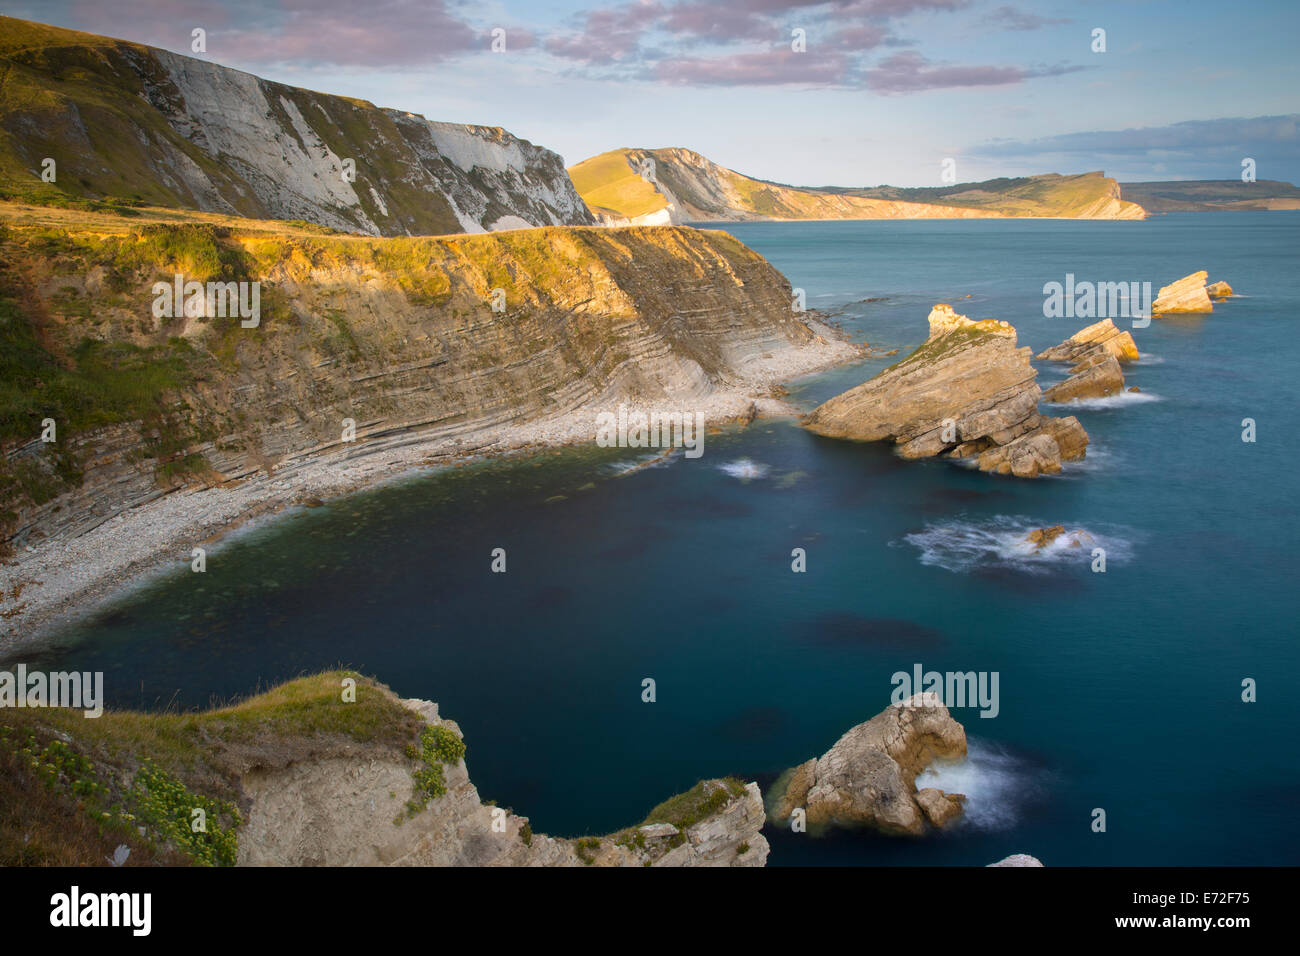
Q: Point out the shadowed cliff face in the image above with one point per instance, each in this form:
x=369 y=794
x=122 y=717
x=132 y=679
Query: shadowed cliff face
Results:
x=130 y=121
x=449 y=336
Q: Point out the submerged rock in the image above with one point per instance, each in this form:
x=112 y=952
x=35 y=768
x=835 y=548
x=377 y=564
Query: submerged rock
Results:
x=1040 y=537
x=967 y=392
x=1188 y=294
x=867 y=779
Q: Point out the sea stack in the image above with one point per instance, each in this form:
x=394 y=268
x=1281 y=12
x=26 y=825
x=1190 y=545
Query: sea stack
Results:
x=868 y=779
x=1188 y=294
x=967 y=392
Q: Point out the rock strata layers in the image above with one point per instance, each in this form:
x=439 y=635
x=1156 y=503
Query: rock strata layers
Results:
x=1100 y=335
x=1096 y=352
x=967 y=392
x=1188 y=294
x=867 y=779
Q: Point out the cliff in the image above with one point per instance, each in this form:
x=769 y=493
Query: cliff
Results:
x=1212 y=195
x=134 y=123
x=435 y=338
x=311 y=773
x=678 y=185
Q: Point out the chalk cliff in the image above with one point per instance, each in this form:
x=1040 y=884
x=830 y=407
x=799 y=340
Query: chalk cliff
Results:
x=129 y=121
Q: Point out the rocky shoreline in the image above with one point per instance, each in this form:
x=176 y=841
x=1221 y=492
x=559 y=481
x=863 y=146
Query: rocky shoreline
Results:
x=60 y=581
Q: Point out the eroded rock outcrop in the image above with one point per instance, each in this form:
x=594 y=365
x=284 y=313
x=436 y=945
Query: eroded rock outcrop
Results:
x=1100 y=335
x=1188 y=294
x=1219 y=290
x=967 y=392
x=1096 y=352
x=350 y=812
x=1018 y=859
x=868 y=778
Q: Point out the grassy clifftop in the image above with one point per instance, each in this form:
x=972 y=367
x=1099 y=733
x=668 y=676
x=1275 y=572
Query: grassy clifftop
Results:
x=73 y=789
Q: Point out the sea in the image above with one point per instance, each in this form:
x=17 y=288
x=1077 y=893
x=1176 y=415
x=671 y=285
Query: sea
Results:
x=1147 y=713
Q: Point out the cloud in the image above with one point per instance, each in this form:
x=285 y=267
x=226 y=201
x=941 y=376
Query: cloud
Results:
x=1010 y=18
x=910 y=72
x=608 y=35
x=1198 y=149
x=756 y=69
x=313 y=32
x=1236 y=133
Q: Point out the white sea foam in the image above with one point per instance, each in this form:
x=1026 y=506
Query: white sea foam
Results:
x=1118 y=400
x=997 y=784
x=657 y=460
x=962 y=546
x=744 y=469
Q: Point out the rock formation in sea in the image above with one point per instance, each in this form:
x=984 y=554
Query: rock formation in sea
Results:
x=1096 y=352
x=1219 y=290
x=1018 y=859
x=967 y=392
x=1188 y=294
x=1042 y=537
x=868 y=778
x=1100 y=335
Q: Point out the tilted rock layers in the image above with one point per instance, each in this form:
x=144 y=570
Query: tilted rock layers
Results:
x=967 y=392
x=401 y=336
x=1096 y=352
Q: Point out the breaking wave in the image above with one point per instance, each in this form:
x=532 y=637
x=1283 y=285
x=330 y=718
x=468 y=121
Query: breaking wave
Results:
x=999 y=542
x=1110 y=401
x=745 y=469
x=998 y=785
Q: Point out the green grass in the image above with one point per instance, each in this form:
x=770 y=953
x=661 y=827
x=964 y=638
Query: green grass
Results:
x=607 y=181
x=95 y=781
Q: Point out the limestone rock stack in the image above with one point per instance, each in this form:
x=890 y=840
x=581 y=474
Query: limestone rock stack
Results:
x=868 y=777
x=1188 y=294
x=1096 y=352
x=967 y=392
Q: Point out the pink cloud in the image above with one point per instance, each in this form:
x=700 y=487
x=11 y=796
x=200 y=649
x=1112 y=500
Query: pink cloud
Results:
x=755 y=69
x=910 y=72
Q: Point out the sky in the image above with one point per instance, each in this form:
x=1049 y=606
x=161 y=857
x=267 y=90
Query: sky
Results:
x=882 y=91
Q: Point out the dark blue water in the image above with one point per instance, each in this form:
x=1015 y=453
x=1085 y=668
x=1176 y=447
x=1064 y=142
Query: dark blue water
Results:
x=1119 y=690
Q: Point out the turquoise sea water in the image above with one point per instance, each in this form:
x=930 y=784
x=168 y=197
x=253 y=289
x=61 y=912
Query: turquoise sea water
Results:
x=1118 y=691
